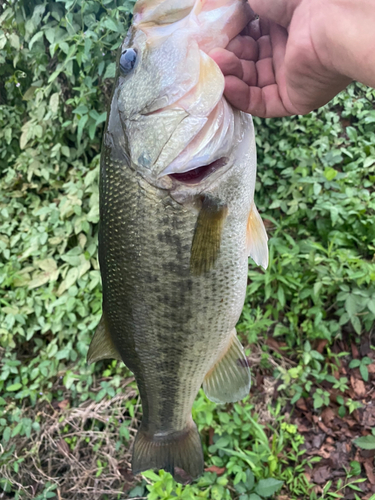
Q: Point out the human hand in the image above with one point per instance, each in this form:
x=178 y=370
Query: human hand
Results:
x=278 y=65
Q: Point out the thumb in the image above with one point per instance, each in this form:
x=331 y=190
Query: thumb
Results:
x=279 y=11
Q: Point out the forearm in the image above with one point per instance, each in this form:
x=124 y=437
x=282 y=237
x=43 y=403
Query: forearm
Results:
x=344 y=37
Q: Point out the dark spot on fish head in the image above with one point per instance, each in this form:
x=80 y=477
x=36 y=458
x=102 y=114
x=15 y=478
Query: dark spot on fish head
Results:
x=243 y=362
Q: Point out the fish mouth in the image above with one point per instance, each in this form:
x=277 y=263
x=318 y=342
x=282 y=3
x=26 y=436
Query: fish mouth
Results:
x=198 y=174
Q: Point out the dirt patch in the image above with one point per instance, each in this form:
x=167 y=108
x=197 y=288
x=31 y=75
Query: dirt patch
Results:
x=77 y=449
x=330 y=433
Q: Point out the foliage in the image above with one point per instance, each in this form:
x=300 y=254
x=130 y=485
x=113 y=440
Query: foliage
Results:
x=314 y=189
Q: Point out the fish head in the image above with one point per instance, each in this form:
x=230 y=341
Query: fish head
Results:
x=168 y=110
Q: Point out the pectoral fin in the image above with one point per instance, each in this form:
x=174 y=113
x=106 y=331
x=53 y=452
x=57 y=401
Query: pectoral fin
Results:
x=101 y=346
x=257 y=238
x=229 y=380
x=207 y=237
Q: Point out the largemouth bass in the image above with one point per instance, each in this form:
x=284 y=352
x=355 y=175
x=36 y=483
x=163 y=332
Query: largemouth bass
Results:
x=177 y=224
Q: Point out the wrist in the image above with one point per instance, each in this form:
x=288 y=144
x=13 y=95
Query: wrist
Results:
x=344 y=37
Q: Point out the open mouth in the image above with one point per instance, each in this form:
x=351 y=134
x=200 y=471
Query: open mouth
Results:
x=198 y=174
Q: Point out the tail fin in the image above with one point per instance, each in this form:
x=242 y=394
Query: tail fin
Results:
x=179 y=453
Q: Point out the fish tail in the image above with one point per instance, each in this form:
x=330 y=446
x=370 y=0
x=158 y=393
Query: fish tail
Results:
x=179 y=453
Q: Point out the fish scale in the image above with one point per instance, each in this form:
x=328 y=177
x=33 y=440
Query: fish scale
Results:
x=138 y=284
x=173 y=251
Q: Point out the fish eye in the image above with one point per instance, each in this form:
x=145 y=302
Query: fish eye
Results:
x=127 y=60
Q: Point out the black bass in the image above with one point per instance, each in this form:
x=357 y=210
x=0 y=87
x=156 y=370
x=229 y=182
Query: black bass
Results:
x=177 y=224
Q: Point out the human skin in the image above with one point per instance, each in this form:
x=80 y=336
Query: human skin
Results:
x=298 y=55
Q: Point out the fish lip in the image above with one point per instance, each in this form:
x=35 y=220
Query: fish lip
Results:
x=197 y=175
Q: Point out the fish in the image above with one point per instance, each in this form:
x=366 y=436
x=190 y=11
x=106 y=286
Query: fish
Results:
x=177 y=225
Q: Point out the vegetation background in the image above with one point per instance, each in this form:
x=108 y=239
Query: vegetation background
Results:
x=307 y=429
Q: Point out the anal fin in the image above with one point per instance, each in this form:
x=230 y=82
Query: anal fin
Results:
x=102 y=346
x=257 y=238
x=229 y=380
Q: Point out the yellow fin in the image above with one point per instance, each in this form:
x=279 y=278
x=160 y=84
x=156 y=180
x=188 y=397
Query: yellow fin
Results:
x=229 y=380
x=257 y=238
x=207 y=237
x=101 y=346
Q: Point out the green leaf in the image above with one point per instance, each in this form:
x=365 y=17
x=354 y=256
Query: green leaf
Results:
x=222 y=442
x=354 y=487
x=101 y=118
x=16 y=430
x=365 y=442
x=110 y=72
x=38 y=35
x=40 y=280
x=330 y=173
x=318 y=401
x=138 y=491
x=281 y=295
x=356 y=324
x=149 y=474
x=14 y=40
x=110 y=24
x=14 y=387
x=81 y=110
x=250 y=479
x=267 y=487
x=371 y=304
x=54 y=75
x=352 y=133
x=82 y=122
x=29 y=94
x=65 y=151
x=317 y=189
x=6 y=434
x=54 y=102
x=351 y=305
x=364 y=372
x=92 y=129
x=48 y=265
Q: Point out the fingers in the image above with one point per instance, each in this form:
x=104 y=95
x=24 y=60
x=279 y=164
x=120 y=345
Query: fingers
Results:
x=265 y=103
x=264 y=65
x=231 y=65
x=250 y=75
x=263 y=92
x=228 y=62
x=254 y=70
x=244 y=47
x=279 y=38
x=266 y=75
x=264 y=47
